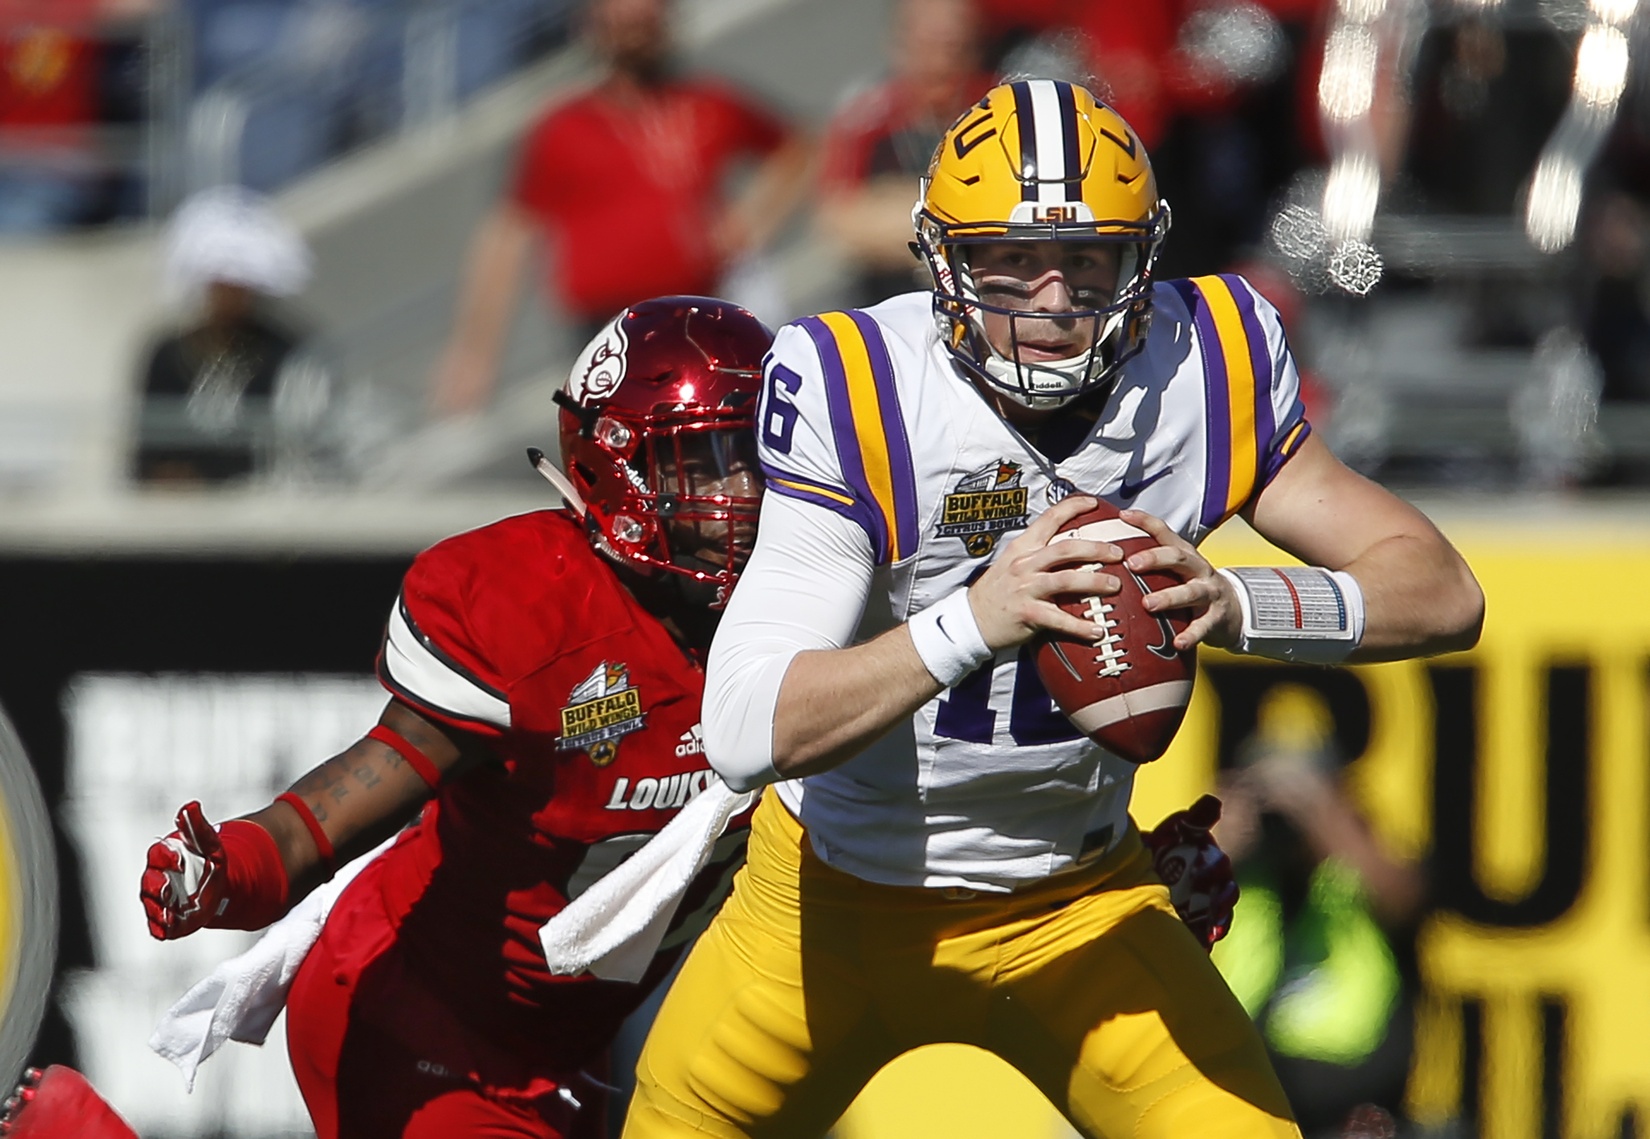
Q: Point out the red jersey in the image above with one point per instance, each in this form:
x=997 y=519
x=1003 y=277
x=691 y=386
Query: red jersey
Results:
x=48 y=66
x=519 y=632
x=629 y=193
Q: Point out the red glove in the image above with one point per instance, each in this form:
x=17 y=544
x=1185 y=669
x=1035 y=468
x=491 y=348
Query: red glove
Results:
x=1201 y=883
x=184 y=883
x=230 y=877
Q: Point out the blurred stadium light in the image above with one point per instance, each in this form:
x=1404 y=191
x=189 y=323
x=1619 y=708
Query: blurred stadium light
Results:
x=1602 y=59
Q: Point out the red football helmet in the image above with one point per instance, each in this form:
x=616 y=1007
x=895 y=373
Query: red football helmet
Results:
x=658 y=437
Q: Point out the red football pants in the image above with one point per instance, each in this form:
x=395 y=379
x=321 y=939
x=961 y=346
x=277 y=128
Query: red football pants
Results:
x=378 y=1056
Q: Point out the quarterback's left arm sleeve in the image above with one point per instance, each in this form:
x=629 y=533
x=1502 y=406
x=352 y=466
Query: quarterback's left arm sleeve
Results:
x=1253 y=415
x=1290 y=428
x=804 y=588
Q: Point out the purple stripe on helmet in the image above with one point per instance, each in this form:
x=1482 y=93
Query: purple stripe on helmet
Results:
x=1028 y=140
x=901 y=467
x=842 y=427
x=1217 y=429
x=1073 y=185
x=792 y=486
x=1260 y=362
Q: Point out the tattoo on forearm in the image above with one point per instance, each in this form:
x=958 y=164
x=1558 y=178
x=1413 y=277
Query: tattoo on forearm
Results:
x=362 y=769
x=335 y=782
x=329 y=781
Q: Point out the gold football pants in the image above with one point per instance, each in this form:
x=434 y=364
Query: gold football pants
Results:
x=810 y=980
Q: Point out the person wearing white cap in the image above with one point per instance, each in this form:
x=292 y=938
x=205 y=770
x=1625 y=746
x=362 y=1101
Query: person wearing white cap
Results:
x=217 y=392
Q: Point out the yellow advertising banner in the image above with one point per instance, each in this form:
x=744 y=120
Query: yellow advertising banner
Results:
x=1520 y=772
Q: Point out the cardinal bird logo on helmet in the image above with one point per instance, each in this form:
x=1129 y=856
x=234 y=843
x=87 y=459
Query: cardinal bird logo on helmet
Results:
x=603 y=370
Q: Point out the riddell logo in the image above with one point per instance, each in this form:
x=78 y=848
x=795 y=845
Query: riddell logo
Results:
x=692 y=742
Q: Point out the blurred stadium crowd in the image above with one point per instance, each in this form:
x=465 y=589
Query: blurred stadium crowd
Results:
x=89 y=83
x=1446 y=198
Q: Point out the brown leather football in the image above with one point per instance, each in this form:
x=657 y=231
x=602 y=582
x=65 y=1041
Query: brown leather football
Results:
x=1128 y=690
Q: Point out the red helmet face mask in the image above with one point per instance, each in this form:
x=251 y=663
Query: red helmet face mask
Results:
x=658 y=437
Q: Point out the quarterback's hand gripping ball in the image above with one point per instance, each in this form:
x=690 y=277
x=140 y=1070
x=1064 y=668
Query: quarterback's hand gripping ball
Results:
x=1128 y=690
x=1197 y=872
x=185 y=883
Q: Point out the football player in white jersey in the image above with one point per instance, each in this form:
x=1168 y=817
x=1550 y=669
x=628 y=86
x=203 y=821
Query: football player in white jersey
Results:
x=944 y=857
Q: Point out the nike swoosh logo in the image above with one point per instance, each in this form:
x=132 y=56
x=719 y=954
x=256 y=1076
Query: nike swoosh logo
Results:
x=939 y=623
x=1164 y=648
x=1129 y=490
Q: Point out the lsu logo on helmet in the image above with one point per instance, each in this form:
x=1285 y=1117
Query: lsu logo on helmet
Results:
x=1041 y=160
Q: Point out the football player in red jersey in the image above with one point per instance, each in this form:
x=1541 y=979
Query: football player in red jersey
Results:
x=545 y=679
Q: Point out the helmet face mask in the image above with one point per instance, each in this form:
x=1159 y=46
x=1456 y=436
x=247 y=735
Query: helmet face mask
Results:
x=706 y=494
x=1015 y=357
x=658 y=438
x=1040 y=161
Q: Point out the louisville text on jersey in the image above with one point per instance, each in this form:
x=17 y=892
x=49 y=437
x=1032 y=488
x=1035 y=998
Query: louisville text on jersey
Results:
x=666 y=794
x=986 y=503
x=602 y=709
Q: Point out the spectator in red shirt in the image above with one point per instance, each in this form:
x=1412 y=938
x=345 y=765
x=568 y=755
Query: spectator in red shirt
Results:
x=878 y=145
x=624 y=184
x=48 y=105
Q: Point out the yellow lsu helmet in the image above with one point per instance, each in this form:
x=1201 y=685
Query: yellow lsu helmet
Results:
x=1041 y=160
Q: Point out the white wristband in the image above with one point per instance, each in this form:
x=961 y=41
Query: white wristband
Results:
x=1305 y=614
x=948 y=638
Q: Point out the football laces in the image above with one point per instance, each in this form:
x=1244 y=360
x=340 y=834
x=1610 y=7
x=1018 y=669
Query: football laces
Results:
x=1110 y=649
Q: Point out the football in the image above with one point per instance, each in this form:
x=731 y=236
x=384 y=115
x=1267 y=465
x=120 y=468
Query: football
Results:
x=1128 y=690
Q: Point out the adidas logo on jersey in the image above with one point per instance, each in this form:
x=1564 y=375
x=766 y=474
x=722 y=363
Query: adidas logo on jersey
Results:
x=692 y=742
x=665 y=794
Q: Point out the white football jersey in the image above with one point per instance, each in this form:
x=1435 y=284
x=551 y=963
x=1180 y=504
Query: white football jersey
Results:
x=864 y=413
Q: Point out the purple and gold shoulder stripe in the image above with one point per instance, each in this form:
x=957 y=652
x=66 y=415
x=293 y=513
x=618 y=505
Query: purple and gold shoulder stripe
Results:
x=872 y=446
x=1245 y=442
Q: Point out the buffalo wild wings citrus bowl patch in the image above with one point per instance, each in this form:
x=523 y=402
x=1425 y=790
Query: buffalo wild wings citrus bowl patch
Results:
x=601 y=710
x=985 y=504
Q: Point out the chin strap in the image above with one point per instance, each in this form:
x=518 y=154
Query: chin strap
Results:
x=554 y=476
